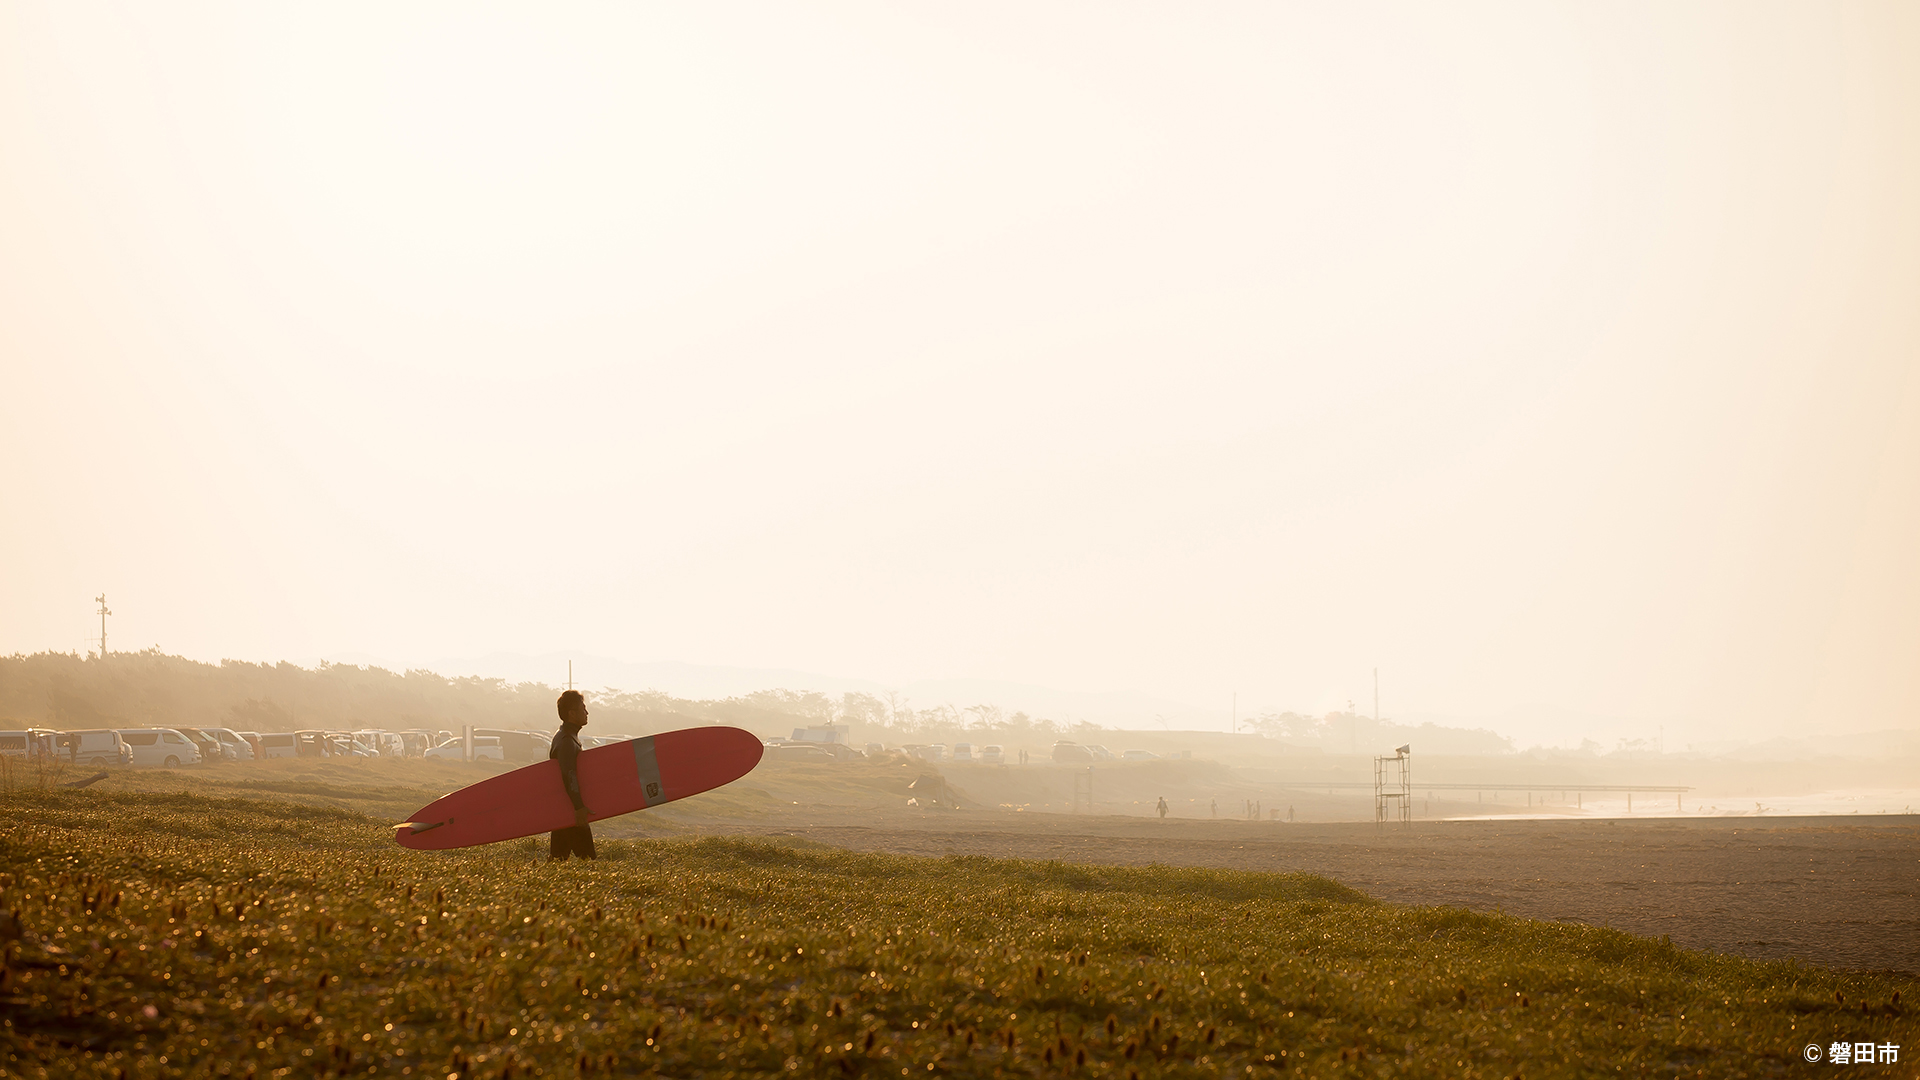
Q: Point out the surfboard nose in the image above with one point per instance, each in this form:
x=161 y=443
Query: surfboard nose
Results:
x=747 y=745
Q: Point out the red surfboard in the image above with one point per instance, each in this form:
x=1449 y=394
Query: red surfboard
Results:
x=615 y=779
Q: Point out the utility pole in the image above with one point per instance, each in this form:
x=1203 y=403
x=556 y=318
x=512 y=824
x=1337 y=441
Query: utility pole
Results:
x=102 y=601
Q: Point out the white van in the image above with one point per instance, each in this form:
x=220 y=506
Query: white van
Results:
x=962 y=751
x=164 y=747
x=33 y=744
x=233 y=746
x=485 y=747
x=95 y=746
x=381 y=742
x=277 y=744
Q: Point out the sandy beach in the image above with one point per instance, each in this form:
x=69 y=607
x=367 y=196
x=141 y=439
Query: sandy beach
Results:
x=1838 y=893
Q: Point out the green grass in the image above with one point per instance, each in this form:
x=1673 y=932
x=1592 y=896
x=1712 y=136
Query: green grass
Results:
x=174 y=934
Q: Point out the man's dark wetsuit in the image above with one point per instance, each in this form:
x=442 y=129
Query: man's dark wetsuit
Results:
x=574 y=839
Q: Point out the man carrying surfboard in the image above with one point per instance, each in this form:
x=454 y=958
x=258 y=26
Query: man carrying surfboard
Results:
x=576 y=839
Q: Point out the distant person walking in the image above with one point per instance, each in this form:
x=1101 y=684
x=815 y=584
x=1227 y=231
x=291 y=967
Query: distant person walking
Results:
x=576 y=839
x=1163 y=807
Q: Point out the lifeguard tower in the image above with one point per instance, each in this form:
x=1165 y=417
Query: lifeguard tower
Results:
x=1393 y=787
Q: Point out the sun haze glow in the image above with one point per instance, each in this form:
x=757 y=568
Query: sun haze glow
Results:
x=1545 y=356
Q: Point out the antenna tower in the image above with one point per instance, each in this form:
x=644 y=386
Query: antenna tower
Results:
x=104 y=612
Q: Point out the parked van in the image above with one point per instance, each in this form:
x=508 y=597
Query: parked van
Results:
x=211 y=750
x=484 y=747
x=252 y=739
x=32 y=744
x=1071 y=753
x=962 y=751
x=95 y=746
x=518 y=745
x=349 y=744
x=992 y=754
x=164 y=747
x=232 y=743
x=275 y=744
x=323 y=744
x=379 y=742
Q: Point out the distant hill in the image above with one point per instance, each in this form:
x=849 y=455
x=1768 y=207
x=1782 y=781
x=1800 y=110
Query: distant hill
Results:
x=150 y=688
x=700 y=682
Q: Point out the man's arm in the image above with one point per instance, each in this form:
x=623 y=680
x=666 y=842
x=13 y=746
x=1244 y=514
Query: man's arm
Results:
x=569 y=759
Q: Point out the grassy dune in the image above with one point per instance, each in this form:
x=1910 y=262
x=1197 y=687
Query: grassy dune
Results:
x=148 y=933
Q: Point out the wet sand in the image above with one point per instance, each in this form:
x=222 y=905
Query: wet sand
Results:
x=1834 y=892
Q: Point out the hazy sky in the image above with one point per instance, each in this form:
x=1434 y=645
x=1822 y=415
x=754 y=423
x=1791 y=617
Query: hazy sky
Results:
x=1539 y=354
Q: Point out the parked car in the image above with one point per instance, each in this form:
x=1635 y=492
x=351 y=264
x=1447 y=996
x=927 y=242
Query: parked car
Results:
x=379 y=743
x=312 y=743
x=210 y=749
x=279 y=744
x=519 y=745
x=935 y=752
x=94 y=746
x=30 y=744
x=163 y=747
x=1071 y=753
x=416 y=742
x=992 y=754
x=253 y=743
x=1139 y=755
x=231 y=741
x=874 y=749
x=484 y=747
x=962 y=751
x=351 y=744
x=1100 y=753
x=799 y=751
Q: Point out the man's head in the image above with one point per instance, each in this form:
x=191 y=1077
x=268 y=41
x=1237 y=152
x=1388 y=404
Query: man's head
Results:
x=573 y=708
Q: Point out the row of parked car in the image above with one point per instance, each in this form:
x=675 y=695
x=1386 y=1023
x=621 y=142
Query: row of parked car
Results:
x=176 y=746
x=991 y=754
x=1072 y=753
x=1064 y=753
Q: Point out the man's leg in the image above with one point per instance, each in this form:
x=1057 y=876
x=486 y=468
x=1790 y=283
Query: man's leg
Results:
x=572 y=840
